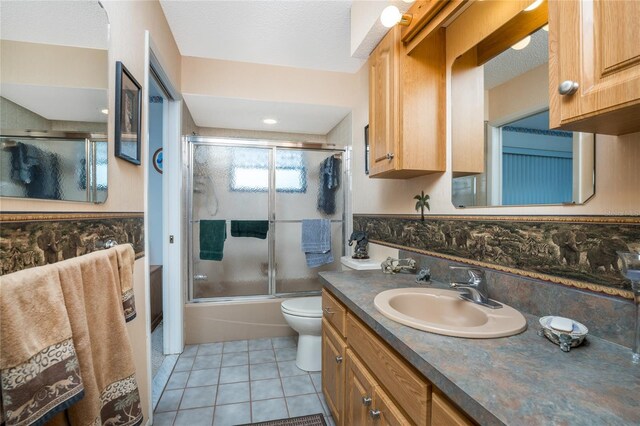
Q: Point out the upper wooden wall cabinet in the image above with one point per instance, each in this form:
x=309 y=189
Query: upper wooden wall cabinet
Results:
x=595 y=44
x=407 y=98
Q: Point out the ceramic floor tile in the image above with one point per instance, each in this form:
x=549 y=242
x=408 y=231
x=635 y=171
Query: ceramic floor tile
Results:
x=266 y=389
x=303 y=405
x=204 y=396
x=232 y=393
x=289 y=368
x=169 y=401
x=184 y=364
x=286 y=354
x=263 y=371
x=195 y=417
x=284 y=342
x=316 y=378
x=178 y=380
x=233 y=414
x=235 y=358
x=207 y=361
x=235 y=374
x=203 y=377
x=297 y=385
x=262 y=356
x=270 y=409
x=325 y=407
x=260 y=344
x=189 y=351
x=235 y=346
x=164 y=419
x=327 y=419
x=210 y=349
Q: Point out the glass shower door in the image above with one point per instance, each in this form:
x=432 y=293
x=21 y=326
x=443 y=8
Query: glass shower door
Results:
x=305 y=191
x=230 y=195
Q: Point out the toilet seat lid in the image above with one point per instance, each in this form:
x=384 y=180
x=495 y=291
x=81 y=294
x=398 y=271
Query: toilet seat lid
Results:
x=303 y=306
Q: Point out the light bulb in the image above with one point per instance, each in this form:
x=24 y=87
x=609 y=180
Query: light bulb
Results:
x=390 y=16
x=533 y=5
x=270 y=121
x=522 y=43
x=546 y=28
x=104 y=111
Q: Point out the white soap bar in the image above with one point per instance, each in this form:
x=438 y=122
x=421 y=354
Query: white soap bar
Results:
x=561 y=324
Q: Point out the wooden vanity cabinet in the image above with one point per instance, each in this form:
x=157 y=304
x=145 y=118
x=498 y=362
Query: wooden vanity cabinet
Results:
x=407 y=114
x=333 y=370
x=595 y=44
x=366 y=383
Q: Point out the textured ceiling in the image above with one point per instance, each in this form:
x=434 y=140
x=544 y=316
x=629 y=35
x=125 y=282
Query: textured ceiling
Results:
x=59 y=103
x=301 y=34
x=81 y=23
x=512 y=63
x=225 y=113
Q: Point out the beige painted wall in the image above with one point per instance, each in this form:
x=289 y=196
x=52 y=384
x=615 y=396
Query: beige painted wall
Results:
x=617 y=173
x=128 y=21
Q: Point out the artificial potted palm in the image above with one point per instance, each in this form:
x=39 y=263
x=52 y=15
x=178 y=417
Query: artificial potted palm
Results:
x=423 y=201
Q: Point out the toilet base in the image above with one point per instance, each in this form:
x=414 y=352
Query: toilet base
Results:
x=309 y=357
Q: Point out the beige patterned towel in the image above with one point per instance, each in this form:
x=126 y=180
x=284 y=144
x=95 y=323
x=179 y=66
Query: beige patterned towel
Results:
x=97 y=297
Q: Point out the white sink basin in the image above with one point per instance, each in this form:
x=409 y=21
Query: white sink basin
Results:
x=443 y=312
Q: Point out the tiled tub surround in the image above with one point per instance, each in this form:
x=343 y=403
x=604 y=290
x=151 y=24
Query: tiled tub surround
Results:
x=608 y=317
x=518 y=380
x=239 y=382
x=35 y=239
x=577 y=251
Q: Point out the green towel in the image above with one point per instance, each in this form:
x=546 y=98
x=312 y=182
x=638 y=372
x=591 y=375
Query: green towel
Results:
x=250 y=228
x=212 y=236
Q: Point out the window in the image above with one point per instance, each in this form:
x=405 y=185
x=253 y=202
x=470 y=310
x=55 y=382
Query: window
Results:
x=250 y=170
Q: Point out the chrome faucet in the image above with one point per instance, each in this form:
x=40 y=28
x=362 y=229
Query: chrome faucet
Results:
x=475 y=289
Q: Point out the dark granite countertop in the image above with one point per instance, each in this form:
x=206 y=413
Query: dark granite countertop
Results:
x=518 y=380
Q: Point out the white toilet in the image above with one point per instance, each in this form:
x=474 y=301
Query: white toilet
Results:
x=304 y=315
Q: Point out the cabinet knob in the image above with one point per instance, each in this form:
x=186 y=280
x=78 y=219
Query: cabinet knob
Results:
x=338 y=359
x=366 y=401
x=328 y=311
x=568 y=87
x=390 y=155
x=374 y=414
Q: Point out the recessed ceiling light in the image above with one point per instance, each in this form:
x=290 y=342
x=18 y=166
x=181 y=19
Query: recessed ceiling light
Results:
x=522 y=43
x=104 y=111
x=533 y=5
x=270 y=121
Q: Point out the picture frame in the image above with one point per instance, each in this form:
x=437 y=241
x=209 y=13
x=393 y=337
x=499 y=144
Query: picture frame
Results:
x=366 y=149
x=158 y=160
x=128 y=112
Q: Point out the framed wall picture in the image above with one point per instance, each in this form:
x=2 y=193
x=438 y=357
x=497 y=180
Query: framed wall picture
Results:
x=128 y=113
x=366 y=149
x=157 y=160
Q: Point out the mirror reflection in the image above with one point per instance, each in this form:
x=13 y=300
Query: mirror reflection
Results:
x=53 y=100
x=504 y=153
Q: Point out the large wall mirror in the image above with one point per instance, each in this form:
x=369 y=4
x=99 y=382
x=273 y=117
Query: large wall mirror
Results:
x=53 y=100
x=503 y=151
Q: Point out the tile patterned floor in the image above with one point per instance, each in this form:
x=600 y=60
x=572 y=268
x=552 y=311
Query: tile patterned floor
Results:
x=230 y=383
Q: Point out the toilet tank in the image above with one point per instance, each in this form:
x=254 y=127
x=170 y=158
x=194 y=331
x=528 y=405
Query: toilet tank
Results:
x=349 y=263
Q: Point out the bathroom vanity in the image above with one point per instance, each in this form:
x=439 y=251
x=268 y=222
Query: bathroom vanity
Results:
x=376 y=371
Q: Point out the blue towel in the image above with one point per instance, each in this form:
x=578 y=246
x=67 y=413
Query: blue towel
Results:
x=316 y=242
x=329 y=184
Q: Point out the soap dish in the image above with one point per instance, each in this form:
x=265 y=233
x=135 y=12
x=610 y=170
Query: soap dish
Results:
x=566 y=340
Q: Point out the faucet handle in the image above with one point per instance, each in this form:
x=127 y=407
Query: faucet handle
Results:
x=476 y=275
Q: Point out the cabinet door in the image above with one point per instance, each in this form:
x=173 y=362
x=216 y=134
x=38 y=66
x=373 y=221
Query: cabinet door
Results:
x=333 y=371
x=383 y=125
x=385 y=412
x=595 y=44
x=443 y=413
x=359 y=392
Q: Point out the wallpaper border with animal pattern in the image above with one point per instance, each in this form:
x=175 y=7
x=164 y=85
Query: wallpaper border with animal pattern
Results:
x=576 y=251
x=34 y=239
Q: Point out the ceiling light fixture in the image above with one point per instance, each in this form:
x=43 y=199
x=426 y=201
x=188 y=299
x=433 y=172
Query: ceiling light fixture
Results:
x=391 y=15
x=104 y=111
x=270 y=121
x=533 y=5
x=522 y=43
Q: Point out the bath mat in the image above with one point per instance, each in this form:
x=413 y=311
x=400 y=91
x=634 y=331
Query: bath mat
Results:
x=312 y=420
